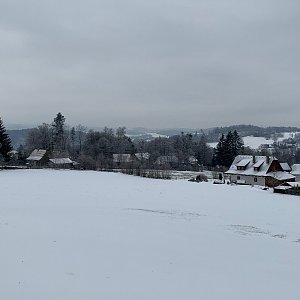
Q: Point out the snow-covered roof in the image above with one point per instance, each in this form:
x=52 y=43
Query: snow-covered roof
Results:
x=296 y=169
x=281 y=175
x=286 y=167
x=122 y=158
x=257 y=166
x=37 y=155
x=61 y=161
x=166 y=159
x=288 y=185
x=193 y=160
x=142 y=156
x=13 y=152
x=294 y=184
x=243 y=162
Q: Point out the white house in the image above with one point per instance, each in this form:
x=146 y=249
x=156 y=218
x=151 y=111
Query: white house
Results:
x=258 y=170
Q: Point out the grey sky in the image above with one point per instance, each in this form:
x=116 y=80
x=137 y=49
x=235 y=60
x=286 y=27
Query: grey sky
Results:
x=158 y=63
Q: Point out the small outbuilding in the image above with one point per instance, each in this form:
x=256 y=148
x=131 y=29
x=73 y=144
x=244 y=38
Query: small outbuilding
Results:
x=291 y=188
x=38 y=158
x=61 y=163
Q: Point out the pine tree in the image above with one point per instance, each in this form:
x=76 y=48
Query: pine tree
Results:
x=220 y=152
x=238 y=143
x=228 y=148
x=59 y=132
x=5 y=142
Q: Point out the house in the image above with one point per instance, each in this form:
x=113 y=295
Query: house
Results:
x=125 y=160
x=258 y=170
x=296 y=171
x=38 y=158
x=143 y=156
x=62 y=163
x=164 y=160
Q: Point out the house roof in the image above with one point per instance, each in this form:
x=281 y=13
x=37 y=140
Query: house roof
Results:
x=281 y=175
x=287 y=185
x=247 y=161
x=166 y=159
x=193 y=160
x=142 y=156
x=296 y=169
x=61 y=161
x=259 y=163
x=243 y=162
x=286 y=167
x=124 y=158
x=37 y=155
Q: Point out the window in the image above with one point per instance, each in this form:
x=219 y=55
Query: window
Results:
x=238 y=178
x=255 y=179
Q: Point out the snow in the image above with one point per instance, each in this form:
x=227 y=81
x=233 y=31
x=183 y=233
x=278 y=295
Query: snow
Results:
x=93 y=235
x=287 y=135
x=61 y=161
x=255 y=141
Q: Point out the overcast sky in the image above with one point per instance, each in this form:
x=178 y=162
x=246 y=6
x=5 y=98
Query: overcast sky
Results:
x=158 y=63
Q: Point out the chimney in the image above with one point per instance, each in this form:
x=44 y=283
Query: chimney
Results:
x=253 y=159
x=267 y=159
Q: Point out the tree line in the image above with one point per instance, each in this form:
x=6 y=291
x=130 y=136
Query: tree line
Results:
x=94 y=149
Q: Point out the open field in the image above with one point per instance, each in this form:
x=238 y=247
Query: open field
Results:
x=93 y=235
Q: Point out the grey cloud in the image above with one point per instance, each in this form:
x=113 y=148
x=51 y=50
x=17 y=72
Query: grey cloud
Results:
x=159 y=63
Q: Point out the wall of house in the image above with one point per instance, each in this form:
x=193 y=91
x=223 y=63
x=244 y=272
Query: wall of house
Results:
x=248 y=179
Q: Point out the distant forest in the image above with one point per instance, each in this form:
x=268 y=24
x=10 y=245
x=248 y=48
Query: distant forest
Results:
x=180 y=149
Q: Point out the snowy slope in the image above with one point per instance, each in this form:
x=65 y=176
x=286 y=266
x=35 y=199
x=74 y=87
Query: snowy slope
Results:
x=255 y=141
x=251 y=141
x=92 y=235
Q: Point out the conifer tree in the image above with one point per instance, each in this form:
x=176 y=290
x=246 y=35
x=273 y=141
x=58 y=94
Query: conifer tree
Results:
x=228 y=148
x=5 y=142
x=220 y=151
x=59 y=132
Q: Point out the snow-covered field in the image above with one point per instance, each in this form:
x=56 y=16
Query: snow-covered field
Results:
x=255 y=141
x=92 y=235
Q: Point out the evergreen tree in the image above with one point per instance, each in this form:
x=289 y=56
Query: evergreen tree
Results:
x=238 y=143
x=5 y=142
x=220 y=152
x=228 y=148
x=203 y=152
x=59 y=132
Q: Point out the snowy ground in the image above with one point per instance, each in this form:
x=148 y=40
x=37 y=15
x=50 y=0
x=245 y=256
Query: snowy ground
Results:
x=92 y=235
x=255 y=141
x=251 y=141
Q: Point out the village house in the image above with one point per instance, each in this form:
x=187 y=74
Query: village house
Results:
x=142 y=156
x=125 y=160
x=61 y=163
x=258 y=170
x=38 y=158
x=167 y=160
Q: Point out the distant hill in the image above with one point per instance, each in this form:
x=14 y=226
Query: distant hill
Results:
x=18 y=136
